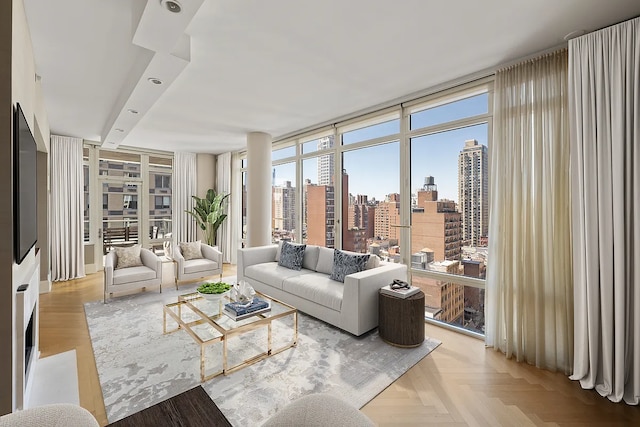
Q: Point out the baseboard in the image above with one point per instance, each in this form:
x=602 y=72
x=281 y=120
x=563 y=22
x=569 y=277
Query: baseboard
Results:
x=45 y=286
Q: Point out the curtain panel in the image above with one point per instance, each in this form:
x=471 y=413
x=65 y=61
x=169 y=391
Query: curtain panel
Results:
x=223 y=185
x=67 y=205
x=184 y=186
x=605 y=142
x=529 y=311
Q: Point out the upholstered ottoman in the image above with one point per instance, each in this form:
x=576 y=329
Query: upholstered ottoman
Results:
x=318 y=410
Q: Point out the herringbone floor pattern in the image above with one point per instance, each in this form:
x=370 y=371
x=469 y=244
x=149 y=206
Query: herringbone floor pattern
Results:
x=460 y=383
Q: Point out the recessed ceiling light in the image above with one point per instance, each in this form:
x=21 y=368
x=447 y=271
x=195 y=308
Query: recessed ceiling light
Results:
x=171 y=5
x=154 y=80
x=132 y=111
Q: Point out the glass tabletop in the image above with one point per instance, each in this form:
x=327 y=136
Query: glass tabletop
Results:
x=214 y=310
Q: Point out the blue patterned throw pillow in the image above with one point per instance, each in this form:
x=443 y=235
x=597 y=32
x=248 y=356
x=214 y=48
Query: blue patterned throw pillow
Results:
x=291 y=255
x=345 y=264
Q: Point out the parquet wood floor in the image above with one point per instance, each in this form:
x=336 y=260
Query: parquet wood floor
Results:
x=459 y=384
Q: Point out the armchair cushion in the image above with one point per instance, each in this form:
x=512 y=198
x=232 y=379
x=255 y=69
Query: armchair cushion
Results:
x=133 y=274
x=191 y=250
x=199 y=265
x=128 y=257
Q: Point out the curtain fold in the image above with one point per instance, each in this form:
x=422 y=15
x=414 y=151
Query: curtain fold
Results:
x=529 y=311
x=184 y=186
x=67 y=204
x=223 y=185
x=605 y=109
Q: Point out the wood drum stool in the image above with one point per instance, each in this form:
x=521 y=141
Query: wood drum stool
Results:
x=401 y=321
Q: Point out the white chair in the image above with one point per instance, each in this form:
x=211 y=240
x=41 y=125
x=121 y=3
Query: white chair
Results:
x=195 y=268
x=147 y=275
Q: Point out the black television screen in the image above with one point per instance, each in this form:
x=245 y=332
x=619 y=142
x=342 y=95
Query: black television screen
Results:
x=25 y=170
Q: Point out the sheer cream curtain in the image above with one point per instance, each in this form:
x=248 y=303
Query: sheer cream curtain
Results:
x=67 y=199
x=184 y=186
x=529 y=310
x=223 y=184
x=605 y=142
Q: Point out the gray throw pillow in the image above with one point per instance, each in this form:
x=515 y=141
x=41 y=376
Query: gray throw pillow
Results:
x=128 y=257
x=345 y=264
x=292 y=255
x=191 y=250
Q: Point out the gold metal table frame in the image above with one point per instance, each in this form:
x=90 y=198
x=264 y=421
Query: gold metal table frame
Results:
x=222 y=327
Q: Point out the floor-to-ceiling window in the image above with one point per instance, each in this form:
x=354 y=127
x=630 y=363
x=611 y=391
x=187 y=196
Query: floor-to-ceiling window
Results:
x=128 y=198
x=284 y=196
x=449 y=140
x=408 y=183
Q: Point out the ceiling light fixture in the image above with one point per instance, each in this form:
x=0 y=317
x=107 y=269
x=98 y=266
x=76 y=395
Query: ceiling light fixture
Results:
x=132 y=111
x=171 y=5
x=119 y=130
x=154 y=80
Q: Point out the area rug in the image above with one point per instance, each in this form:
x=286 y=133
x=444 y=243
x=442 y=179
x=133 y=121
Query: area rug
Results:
x=138 y=366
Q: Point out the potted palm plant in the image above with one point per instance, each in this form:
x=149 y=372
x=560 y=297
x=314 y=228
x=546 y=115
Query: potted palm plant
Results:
x=209 y=213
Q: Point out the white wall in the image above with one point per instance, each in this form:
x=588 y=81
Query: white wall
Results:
x=206 y=164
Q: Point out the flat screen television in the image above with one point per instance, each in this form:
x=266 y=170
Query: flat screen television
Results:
x=25 y=186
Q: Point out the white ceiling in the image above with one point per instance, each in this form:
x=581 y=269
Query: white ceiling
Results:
x=235 y=66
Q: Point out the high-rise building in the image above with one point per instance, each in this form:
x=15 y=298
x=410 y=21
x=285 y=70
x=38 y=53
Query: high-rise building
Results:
x=284 y=207
x=387 y=218
x=320 y=211
x=325 y=162
x=435 y=224
x=473 y=192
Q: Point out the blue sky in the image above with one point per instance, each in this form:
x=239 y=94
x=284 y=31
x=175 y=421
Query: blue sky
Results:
x=374 y=171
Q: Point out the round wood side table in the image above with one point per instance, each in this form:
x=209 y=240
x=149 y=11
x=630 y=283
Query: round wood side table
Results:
x=401 y=321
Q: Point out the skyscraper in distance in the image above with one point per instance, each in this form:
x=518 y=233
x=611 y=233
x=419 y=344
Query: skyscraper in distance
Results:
x=473 y=192
x=326 y=162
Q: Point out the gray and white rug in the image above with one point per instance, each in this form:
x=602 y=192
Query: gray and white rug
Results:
x=138 y=366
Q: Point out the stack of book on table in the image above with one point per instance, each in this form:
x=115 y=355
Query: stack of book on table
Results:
x=401 y=292
x=239 y=311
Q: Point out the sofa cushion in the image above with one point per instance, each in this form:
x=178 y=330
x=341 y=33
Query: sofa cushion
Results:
x=325 y=260
x=310 y=259
x=128 y=257
x=271 y=273
x=316 y=287
x=199 y=265
x=191 y=250
x=345 y=264
x=291 y=255
x=133 y=274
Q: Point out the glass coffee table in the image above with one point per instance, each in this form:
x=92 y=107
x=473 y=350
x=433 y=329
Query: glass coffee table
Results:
x=205 y=321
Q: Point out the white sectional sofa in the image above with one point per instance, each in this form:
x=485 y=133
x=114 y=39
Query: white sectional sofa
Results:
x=351 y=306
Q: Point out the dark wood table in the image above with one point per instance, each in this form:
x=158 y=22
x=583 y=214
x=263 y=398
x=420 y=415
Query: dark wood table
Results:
x=401 y=321
x=193 y=408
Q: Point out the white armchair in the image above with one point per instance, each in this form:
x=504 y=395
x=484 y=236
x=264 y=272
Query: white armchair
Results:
x=194 y=268
x=138 y=277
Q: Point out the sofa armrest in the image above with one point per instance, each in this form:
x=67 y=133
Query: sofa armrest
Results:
x=360 y=298
x=212 y=253
x=152 y=261
x=252 y=256
x=109 y=265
